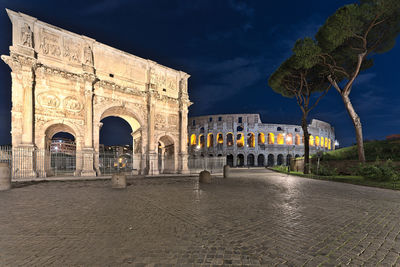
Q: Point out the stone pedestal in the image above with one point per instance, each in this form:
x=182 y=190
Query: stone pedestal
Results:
x=205 y=177
x=153 y=164
x=183 y=163
x=5 y=177
x=24 y=162
x=88 y=163
x=118 y=181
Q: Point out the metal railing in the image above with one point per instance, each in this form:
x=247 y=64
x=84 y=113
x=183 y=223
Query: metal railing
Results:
x=211 y=164
x=30 y=162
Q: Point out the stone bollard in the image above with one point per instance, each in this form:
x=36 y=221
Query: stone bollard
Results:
x=227 y=170
x=205 y=177
x=5 y=177
x=118 y=181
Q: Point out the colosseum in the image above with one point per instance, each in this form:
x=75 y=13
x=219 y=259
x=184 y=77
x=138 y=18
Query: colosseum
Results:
x=245 y=141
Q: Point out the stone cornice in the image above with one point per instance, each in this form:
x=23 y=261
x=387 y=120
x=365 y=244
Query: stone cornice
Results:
x=17 y=61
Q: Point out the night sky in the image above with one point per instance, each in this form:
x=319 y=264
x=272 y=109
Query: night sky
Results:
x=229 y=47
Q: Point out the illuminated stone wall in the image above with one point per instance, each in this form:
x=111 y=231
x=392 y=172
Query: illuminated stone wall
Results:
x=245 y=140
x=62 y=81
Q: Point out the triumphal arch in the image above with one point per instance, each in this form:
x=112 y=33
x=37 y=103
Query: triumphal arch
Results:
x=66 y=82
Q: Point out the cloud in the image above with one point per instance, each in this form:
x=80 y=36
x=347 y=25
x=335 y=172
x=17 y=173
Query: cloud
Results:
x=229 y=64
x=241 y=7
x=364 y=78
x=230 y=77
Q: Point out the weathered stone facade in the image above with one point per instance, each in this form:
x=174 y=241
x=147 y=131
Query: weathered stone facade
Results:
x=246 y=141
x=62 y=81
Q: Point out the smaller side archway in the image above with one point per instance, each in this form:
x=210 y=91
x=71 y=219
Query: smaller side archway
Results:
x=261 y=138
x=251 y=141
x=229 y=139
x=289 y=139
x=250 y=160
x=271 y=139
x=288 y=158
x=201 y=140
x=166 y=155
x=280 y=160
x=229 y=160
x=240 y=140
x=260 y=160
x=271 y=160
x=280 y=140
x=58 y=158
x=210 y=140
x=240 y=160
x=193 y=140
x=297 y=140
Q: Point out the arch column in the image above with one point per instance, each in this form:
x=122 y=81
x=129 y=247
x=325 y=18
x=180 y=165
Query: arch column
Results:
x=136 y=157
x=152 y=157
x=96 y=141
x=88 y=151
x=182 y=157
x=22 y=87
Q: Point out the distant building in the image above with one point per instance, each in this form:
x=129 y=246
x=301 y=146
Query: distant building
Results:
x=246 y=141
x=63 y=145
x=116 y=149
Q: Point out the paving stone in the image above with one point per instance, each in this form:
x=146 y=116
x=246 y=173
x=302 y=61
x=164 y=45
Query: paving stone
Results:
x=254 y=218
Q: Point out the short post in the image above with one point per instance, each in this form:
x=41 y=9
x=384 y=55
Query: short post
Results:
x=5 y=177
x=227 y=171
x=118 y=181
x=205 y=177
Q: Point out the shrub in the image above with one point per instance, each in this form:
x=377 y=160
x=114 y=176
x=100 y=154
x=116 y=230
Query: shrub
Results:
x=378 y=171
x=282 y=168
x=324 y=170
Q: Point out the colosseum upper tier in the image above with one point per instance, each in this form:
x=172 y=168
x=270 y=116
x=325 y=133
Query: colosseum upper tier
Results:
x=245 y=141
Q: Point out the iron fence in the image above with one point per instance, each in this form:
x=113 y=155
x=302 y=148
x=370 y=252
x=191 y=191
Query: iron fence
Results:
x=30 y=162
x=211 y=164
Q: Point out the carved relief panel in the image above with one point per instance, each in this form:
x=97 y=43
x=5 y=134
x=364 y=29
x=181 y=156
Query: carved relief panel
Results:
x=50 y=43
x=72 y=50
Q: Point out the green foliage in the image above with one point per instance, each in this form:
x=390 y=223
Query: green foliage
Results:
x=378 y=171
x=306 y=54
x=324 y=170
x=385 y=149
x=281 y=168
x=343 y=24
x=371 y=27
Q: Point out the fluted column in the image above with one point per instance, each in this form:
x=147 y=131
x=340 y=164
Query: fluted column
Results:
x=152 y=153
x=88 y=150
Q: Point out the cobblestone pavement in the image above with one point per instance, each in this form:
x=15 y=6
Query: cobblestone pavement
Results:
x=255 y=218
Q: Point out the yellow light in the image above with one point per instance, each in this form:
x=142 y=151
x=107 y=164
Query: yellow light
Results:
x=271 y=139
x=193 y=139
x=280 y=139
x=289 y=139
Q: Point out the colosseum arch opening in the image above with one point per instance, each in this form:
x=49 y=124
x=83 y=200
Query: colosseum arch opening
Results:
x=70 y=79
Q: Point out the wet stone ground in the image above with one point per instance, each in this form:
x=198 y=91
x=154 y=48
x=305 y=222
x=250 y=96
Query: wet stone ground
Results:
x=255 y=218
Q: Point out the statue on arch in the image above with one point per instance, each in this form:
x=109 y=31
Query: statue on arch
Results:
x=88 y=55
x=26 y=36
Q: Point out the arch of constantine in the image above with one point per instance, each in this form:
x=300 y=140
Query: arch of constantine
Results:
x=65 y=82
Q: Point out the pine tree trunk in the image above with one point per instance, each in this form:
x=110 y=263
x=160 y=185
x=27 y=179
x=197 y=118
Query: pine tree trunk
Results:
x=306 y=144
x=357 y=126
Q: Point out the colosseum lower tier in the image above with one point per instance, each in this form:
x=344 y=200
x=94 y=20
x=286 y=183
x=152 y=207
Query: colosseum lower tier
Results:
x=245 y=141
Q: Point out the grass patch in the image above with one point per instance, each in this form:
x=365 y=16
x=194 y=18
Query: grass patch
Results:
x=350 y=179
x=384 y=149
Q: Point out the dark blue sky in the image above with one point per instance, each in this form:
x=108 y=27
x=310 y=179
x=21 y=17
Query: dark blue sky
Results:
x=229 y=47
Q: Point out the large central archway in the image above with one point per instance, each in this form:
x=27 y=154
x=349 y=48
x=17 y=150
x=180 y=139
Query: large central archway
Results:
x=125 y=161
